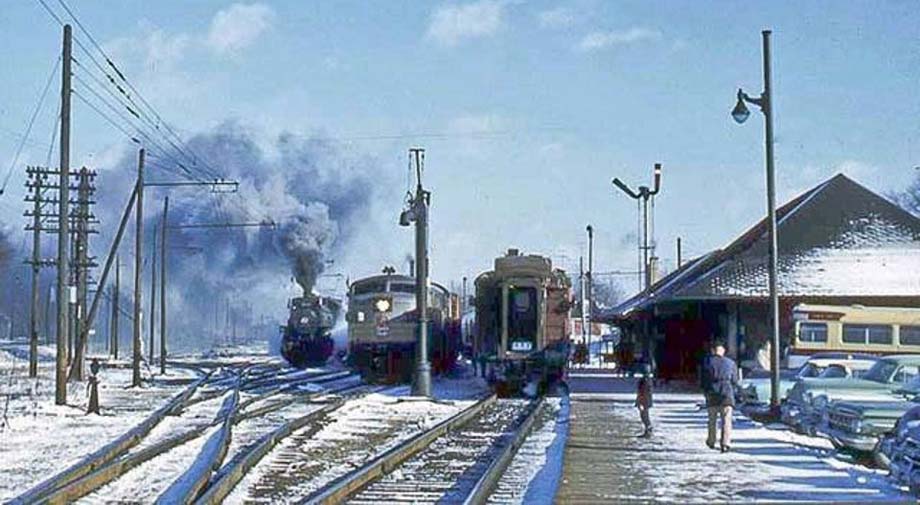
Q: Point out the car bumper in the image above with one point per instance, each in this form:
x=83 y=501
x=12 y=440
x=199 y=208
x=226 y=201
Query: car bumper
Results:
x=801 y=420
x=855 y=441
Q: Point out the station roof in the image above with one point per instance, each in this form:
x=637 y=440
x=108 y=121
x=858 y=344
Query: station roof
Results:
x=838 y=239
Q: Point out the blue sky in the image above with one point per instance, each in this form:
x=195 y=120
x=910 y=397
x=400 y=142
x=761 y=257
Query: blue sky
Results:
x=535 y=106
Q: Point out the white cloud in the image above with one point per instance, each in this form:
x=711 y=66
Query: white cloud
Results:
x=451 y=24
x=560 y=17
x=602 y=40
x=238 y=26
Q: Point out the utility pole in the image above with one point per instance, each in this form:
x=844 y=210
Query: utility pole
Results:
x=138 y=264
x=36 y=178
x=163 y=287
x=590 y=287
x=81 y=264
x=679 y=259
x=63 y=291
x=153 y=296
x=418 y=213
x=115 y=297
x=584 y=318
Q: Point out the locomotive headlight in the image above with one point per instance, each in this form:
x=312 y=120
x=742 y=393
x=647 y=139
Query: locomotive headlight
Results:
x=382 y=305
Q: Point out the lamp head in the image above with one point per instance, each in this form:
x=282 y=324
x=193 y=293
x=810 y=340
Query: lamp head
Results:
x=740 y=113
x=406 y=217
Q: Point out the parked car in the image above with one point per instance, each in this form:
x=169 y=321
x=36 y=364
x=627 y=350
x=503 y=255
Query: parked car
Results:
x=809 y=397
x=755 y=388
x=899 y=450
x=859 y=425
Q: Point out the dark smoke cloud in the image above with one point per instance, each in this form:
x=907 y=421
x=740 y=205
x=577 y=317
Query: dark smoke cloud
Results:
x=316 y=193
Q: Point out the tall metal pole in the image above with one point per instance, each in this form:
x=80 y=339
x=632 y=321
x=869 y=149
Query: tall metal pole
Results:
x=584 y=298
x=115 y=297
x=422 y=384
x=63 y=295
x=679 y=258
x=165 y=227
x=36 y=276
x=138 y=263
x=153 y=296
x=771 y=216
x=590 y=288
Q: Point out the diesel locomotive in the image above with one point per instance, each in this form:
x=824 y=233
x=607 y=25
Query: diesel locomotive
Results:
x=382 y=327
x=306 y=339
x=523 y=327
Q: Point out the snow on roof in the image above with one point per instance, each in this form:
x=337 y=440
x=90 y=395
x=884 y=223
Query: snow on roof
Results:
x=837 y=239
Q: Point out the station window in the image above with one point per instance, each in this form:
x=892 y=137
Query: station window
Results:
x=910 y=335
x=813 y=332
x=871 y=334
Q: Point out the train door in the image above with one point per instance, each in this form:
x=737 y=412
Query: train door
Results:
x=523 y=319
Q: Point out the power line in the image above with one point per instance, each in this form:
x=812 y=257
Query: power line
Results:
x=22 y=142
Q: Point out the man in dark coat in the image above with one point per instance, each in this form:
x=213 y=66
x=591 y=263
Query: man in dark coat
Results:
x=719 y=380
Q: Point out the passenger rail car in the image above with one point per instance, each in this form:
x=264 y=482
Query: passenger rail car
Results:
x=383 y=327
x=306 y=339
x=522 y=322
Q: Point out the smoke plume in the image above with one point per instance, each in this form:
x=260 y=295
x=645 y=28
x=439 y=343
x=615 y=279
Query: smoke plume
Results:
x=311 y=194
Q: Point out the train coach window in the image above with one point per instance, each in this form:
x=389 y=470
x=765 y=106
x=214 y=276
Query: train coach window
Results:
x=910 y=335
x=813 y=332
x=876 y=334
x=402 y=287
x=369 y=287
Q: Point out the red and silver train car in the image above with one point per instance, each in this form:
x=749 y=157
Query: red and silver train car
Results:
x=523 y=327
x=383 y=327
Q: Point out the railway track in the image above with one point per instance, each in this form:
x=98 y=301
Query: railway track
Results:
x=151 y=458
x=459 y=460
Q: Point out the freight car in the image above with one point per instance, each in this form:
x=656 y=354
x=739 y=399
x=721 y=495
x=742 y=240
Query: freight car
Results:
x=306 y=339
x=383 y=327
x=522 y=323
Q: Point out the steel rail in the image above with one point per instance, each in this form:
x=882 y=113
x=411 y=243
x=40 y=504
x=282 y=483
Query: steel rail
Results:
x=115 y=469
x=99 y=458
x=489 y=479
x=343 y=487
x=227 y=478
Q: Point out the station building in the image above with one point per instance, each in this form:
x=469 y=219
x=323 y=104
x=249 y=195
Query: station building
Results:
x=839 y=244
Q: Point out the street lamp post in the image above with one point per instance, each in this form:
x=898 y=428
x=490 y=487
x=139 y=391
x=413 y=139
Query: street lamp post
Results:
x=740 y=114
x=587 y=310
x=417 y=212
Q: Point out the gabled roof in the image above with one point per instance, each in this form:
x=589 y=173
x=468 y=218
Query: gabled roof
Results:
x=836 y=239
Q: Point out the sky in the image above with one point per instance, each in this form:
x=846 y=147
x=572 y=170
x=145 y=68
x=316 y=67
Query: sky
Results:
x=526 y=109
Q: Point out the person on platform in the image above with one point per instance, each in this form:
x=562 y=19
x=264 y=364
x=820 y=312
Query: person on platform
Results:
x=719 y=380
x=644 y=399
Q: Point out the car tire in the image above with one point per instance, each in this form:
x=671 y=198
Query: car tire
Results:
x=880 y=458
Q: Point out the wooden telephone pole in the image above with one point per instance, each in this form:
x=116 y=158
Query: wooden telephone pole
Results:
x=63 y=291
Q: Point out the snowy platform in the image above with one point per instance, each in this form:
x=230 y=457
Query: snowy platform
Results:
x=605 y=462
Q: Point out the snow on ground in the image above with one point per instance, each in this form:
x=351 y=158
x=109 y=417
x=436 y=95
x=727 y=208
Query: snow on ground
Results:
x=345 y=440
x=535 y=469
x=39 y=438
x=766 y=463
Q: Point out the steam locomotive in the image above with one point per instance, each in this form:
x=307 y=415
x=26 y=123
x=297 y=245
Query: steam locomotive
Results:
x=306 y=339
x=523 y=327
x=383 y=324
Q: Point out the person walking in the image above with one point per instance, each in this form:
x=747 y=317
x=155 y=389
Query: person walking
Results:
x=644 y=399
x=719 y=380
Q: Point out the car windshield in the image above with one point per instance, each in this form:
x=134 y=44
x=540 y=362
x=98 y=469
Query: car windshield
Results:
x=881 y=371
x=834 y=372
x=808 y=370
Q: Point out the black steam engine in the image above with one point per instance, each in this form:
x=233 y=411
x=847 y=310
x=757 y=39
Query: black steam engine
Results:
x=306 y=339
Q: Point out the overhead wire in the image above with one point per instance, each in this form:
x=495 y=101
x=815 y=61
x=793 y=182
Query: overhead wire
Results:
x=38 y=108
x=193 y=156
